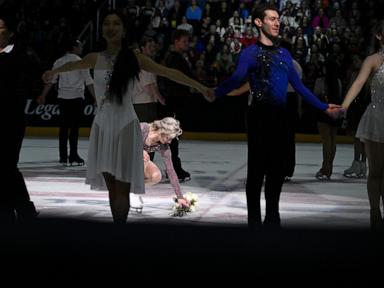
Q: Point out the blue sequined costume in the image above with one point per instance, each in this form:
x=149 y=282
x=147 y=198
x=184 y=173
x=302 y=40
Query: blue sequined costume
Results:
x=268 y=69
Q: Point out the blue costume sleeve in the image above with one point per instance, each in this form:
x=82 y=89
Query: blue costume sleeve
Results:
x=238 y=76
x=299 y=87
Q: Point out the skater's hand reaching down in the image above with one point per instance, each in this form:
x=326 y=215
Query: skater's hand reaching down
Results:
x=184 y=202
x=184 y=205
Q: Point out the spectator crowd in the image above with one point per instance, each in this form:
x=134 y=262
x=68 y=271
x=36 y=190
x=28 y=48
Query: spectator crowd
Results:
x=317 y=30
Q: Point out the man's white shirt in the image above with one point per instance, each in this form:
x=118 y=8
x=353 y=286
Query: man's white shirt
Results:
x=71 y=84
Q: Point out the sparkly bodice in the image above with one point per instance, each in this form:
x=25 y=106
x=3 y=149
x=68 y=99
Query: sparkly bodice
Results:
x=377 y=85
x=151 y=148
x=371 y=126
x=156 y=147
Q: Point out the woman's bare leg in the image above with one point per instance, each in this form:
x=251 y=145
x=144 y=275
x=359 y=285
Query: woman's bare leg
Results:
x=152 y=173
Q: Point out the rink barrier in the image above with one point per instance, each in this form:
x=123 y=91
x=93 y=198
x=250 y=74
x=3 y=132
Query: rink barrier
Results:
x=207 y=136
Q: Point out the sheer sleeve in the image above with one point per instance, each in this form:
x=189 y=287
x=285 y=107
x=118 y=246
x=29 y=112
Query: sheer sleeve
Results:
x=167 y=157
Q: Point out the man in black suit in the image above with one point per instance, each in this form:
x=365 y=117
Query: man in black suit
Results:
x=15 y=73
x=174 y=93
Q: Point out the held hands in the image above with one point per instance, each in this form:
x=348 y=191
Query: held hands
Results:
x=48 y=75
x=343 y=112
x=208 y=94
x=335 y=111
x=162 y=100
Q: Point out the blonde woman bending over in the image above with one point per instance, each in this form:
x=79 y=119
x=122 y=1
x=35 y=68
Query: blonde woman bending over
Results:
x=156 y=137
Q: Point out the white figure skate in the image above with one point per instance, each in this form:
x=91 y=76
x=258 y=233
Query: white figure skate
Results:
x=363 y=170
x=354 y=171
x=137 y=203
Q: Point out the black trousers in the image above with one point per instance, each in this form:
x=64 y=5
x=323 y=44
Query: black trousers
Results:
x=267 y=157
x=71 y=112
x=174 y=108
x=14 y=197
x=292 y=120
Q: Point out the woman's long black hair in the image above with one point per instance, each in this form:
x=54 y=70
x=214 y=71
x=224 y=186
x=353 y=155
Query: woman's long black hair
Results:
x=125 y=69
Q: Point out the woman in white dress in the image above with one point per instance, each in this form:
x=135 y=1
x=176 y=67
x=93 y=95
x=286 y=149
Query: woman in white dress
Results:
x=371 y=126
x=115 y=155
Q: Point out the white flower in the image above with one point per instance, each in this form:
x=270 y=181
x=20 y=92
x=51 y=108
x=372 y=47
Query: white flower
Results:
x=180 y=210
x=190 y=197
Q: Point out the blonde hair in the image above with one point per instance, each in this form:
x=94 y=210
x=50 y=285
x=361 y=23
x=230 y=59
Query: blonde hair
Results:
x=168 y=125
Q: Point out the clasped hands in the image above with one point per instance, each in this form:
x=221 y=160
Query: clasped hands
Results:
x=48 y=75
x=335 y=111
x=208 y=94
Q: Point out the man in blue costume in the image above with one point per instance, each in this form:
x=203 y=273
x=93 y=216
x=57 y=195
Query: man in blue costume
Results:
x=268 y=69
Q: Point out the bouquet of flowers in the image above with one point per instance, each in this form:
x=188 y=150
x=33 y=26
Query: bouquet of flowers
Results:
x=181 y=210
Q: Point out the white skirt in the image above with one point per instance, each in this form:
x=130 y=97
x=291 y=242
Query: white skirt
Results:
x=117 y=149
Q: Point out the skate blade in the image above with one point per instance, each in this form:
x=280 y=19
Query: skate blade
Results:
x=138 y=210
x=351 y=175
x=76 y=164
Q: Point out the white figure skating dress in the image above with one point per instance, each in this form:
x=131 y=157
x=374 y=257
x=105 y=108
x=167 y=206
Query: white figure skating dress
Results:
x=115 y=143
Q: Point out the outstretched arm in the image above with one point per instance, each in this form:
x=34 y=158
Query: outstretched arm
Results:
x=297 y=84
x=332 y=110
x=246 y=60
x=88 y=62
x=91 y=90
x=149 y=65
x=359 y=82
x=239 y=91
